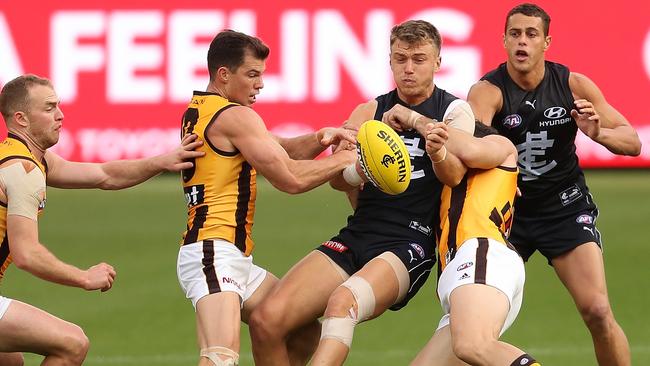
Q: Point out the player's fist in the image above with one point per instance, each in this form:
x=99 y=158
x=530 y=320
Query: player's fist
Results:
x=99 y=277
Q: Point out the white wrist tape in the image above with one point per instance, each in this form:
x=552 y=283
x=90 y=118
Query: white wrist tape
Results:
x=413 y=117
x=444 y=156
x=351 y=176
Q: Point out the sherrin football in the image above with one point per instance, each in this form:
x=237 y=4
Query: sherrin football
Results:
x=383 y=157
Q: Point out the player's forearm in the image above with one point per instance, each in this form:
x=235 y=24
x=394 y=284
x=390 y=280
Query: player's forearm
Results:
x=127 y=173
x=449 y=171
x=43 y=264
x=305 y=147
x=622 y=140
x=308 y=174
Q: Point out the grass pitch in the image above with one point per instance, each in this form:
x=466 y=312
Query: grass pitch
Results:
x=145 y=319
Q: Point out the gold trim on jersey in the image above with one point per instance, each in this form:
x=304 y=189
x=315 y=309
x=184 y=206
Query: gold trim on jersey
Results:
x=220 y=189
x=13 y=147
x=481 y=206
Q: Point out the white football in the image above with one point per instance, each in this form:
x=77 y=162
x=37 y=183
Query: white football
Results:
x=384 y=157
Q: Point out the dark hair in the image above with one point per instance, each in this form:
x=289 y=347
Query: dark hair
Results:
x=530 y=10
x=415 y=32
x=482 y=130
x=15 y=94
x=229 y=47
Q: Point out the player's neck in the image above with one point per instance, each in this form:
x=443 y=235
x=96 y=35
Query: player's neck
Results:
x=527 y=80
x=33 y=146
x=413 y=100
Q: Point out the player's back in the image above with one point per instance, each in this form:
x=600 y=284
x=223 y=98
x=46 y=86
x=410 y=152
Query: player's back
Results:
x=480 y=206
x=220 y=189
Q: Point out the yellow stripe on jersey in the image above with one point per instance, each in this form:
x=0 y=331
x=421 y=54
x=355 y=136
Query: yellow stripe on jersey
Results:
x=13 y=147
x=480 y=206
x=220 y=189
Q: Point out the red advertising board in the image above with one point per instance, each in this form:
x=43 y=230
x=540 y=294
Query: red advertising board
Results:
x=125 y=70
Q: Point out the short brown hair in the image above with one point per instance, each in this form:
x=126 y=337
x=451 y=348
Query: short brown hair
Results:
x=15 y=94
x=229 y=47
x=415 y=32
x=531 y=10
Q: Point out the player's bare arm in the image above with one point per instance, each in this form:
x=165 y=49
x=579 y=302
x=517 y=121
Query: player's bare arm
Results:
x=486 y=100
x=362 y=113
x=599 y=120
x=449 y=169
x=308 y=146
x=482 y=153
x=120 y=173
x=245 y=130
x=22 y=188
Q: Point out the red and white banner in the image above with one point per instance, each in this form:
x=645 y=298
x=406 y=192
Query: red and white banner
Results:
x=125 y=70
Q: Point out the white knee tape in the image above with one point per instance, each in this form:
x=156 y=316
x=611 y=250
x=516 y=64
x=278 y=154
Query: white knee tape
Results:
x=363 y=295
x=213 y=353
x=341 y=329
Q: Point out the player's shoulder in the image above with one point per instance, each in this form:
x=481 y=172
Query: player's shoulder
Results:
x=361 y=113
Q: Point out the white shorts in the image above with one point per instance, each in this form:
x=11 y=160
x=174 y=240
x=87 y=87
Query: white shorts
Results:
x=501 y=268
x=212 y=266
x=4 y=305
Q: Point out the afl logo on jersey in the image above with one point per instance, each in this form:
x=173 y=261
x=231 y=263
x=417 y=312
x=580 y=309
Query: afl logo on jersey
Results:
x=512 y=121
x=554 y=112
x=585 y=219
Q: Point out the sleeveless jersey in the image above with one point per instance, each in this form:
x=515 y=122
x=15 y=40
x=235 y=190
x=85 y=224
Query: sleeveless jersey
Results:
x=220 y=189
x=539 y=123
x=480 y=206
x=412 y=213
x=14 y=148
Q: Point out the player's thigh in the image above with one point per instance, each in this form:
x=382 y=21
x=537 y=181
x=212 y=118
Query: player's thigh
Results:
x=438 y=351
x=259 y=293
x=582 y=272
x=27 y=328
x=302 y=294
x=218 y=319
x=477 y=311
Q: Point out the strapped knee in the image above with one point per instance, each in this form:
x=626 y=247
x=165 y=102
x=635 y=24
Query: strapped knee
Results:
x=342 y=329
x=213 y=354
x=363 y=296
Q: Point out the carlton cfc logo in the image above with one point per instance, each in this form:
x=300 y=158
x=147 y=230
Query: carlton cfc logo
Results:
x=512 y=121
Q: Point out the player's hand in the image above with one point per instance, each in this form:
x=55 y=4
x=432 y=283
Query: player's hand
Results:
x=400 y=118
x=437 y=136
x=349 y=155
x=178 y=159
x=335 y=136
x=99 y=277
x=587 y=118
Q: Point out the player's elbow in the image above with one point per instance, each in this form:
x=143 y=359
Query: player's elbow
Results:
x=636 y=148
x=22 y=260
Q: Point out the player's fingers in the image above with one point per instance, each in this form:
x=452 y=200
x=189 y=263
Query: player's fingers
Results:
x=193 y=145
x=594 y=117
x=189 y=138
x=575 y=114
x=183 y=166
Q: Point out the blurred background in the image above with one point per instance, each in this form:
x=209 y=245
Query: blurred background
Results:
x=125 y=71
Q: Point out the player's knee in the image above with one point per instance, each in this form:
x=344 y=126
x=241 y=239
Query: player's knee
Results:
x=75 y=345
x=473 y=350
x=340 y=303
x=221 y=356
x=267 y=321
x=597 y=314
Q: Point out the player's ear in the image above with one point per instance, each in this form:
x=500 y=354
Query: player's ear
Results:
x=547 y=42
x=436 y=65
x=223 y=74
x=21 y=118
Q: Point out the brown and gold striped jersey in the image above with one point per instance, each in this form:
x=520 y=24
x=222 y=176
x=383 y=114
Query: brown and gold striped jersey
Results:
x=481 y=206
x=220 y=189
x=13 y=147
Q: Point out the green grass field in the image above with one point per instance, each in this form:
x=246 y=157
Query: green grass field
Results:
x=145 y=319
